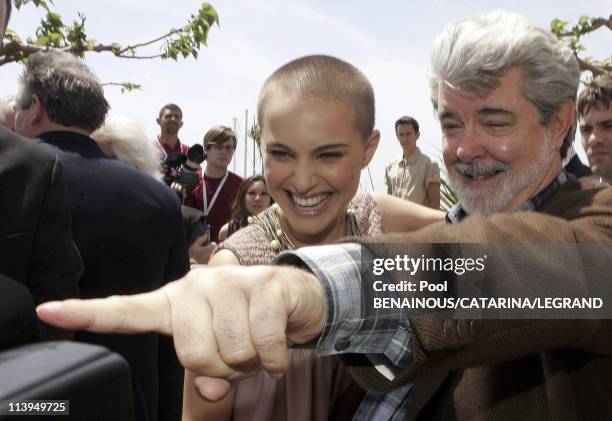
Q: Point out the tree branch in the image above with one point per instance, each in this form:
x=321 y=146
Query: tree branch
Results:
x=14 y=51
x=131 y=47
x=599 y=22
x=596 y=23
x=596 y=70
x=53 y=34
x=140 y=57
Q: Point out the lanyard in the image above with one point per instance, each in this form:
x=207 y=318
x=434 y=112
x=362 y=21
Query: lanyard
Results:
x=207 y=207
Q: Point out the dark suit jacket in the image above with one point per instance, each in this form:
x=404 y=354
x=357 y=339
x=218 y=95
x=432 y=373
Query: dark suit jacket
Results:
x=18 y=321
x=514 y=369
x=36 y=245
x=129 y=230
x=576 y=167
x=193 y=221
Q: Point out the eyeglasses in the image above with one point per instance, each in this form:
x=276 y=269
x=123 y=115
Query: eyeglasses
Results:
x=226 y=148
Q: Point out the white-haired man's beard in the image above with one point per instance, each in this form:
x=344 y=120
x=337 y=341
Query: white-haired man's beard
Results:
x=496 y=195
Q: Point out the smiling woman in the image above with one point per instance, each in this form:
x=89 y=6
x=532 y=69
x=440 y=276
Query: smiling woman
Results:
x=313 y=159
x=252 y=198
x=317 y=120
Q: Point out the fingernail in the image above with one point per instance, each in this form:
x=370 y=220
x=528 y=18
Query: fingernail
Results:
x=50 y=306
x=202 y=391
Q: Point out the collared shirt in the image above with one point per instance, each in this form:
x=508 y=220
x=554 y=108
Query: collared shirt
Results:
x=408 y=178
x=168 y=150
x=456 y=213
x=354 y=327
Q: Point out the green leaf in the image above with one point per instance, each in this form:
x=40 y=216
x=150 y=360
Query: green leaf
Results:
x=209 y=13
x=54 y=18
x=129 y=86
x=42 y=41
x=557 y=26
x=55 y=37
x=11 y=36
x=43 y=4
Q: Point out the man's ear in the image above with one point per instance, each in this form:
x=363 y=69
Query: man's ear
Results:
x=370 y=148
x=38 y=114
x=562 y=121
x=417 y=136
x=158 y=120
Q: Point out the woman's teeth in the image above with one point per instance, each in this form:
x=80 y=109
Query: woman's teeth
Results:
x=310 y=201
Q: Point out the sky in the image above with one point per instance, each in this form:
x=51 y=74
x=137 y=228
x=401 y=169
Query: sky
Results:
x=389 y=41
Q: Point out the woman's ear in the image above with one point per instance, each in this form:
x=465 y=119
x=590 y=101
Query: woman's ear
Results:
x=370 y=148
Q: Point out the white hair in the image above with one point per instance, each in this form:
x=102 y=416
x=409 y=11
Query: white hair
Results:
x=127 y=141
x=474 y=53
x=7 y=111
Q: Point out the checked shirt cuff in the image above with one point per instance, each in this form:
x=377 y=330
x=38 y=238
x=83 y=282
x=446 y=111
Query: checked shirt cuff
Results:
x=354 y=324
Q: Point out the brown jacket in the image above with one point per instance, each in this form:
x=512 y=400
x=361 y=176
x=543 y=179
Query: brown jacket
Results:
x=512 y=369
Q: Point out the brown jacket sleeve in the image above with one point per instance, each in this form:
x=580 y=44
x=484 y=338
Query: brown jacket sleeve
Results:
x=570 y=218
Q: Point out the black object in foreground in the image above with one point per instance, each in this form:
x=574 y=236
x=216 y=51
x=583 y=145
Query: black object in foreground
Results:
x=92 y=382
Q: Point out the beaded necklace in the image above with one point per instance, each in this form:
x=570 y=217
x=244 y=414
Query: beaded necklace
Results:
x=269 y=221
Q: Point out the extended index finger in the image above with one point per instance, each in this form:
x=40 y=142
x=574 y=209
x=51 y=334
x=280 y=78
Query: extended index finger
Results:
x=148 y=312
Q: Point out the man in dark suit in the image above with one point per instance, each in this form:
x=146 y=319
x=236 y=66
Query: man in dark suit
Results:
x=127 y=225
x=36 y=245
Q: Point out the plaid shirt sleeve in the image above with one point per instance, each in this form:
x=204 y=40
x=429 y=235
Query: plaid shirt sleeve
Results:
x=354 y=323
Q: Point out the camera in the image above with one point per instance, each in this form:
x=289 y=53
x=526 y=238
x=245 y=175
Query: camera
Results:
x=182 y=168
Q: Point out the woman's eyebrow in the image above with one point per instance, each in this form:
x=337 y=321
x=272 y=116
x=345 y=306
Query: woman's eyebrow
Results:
x=331 y=146
x=278 y=145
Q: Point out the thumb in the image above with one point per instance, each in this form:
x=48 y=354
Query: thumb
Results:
x=306 y=305
x=212 y=389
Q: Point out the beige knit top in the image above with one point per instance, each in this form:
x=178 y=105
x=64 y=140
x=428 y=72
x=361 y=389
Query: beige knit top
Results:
x=252 y=247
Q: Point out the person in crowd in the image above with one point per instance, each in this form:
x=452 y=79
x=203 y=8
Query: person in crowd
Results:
x=36 y=244
x=123 y=138
x=7 y=112
x=595 y=122
x=252 y=198
x=170 y=121
x=505 y=134
x=316 y=114
x=126 y=225
x=414 y=176
x=220 y=184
